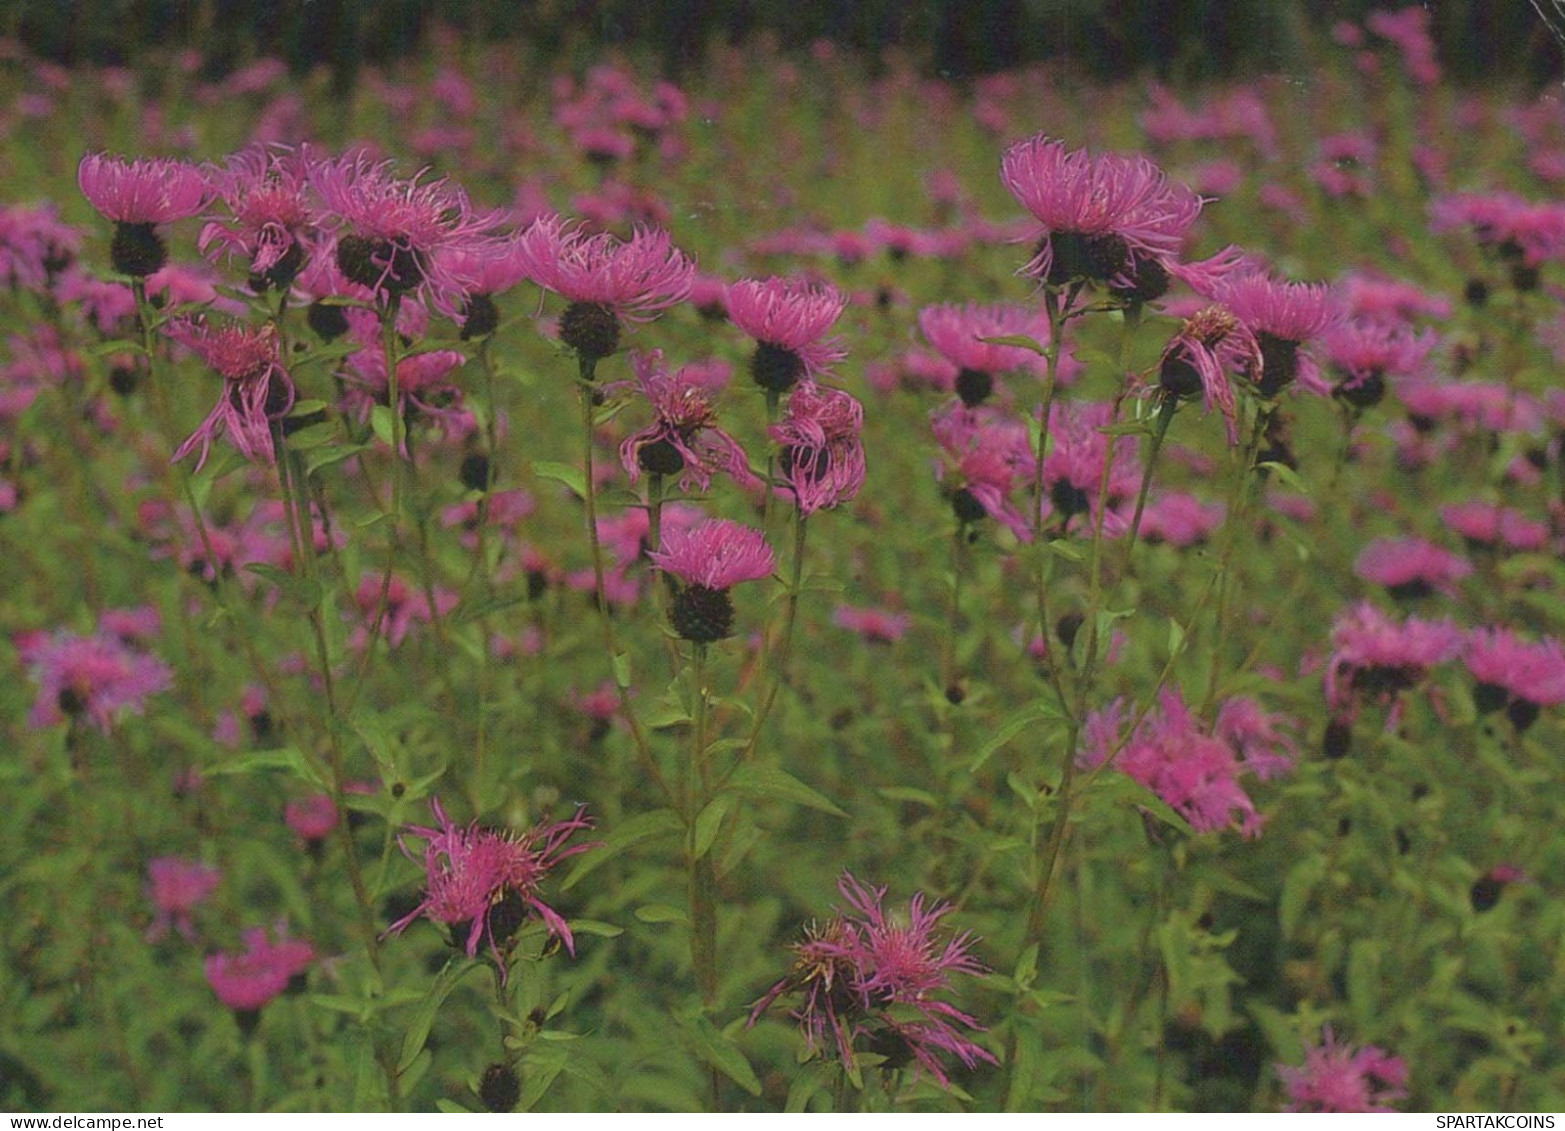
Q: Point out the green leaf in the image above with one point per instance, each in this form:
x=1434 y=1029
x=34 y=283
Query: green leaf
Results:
x=542 y=1064
x=910 y=795
x=770 y=782
x=1036 y=711
x=1020 y=341
x=621 y=666
x=382 y=424
x=1286 y=475
x=636 y=830
x=709 y=821
x=1297 y=887
x=662 y=913
x=719 y=1050
x=565 y=473
x=469 y=611
x=423 y=1020
x=596 y=929
x=305 y=408
x=1064 y=549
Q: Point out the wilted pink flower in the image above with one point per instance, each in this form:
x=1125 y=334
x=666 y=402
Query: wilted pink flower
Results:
x=1411 y=567
x=710 y=559
x=247 y=981
x=1211 y=346
x=873 y=977
x=1110 y=218
x=957 y=333
x=683 y=438
x=604 y=279
x=176 y=887
x=272 y=219
x=1340 y=1078
x=820 y=457
x=788 y=319
x=486 y=882
x=1374 y=658
x=257 y=391
x=91 y=677
x=394 y=234
x=138 y=196
x=1284 y=317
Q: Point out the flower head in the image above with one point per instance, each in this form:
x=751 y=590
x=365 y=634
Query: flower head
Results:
x=1337 y=1078
x=487 y=882
x=604 y=278
x=257 y=391
x=177 y=887
x=1211 y=345
x=271 y=224
x=96 y=677
x=137 y=196
x=958 y=333
x=245 y=982
x=1374 y=657
x=821 y=457
x=710 y=558
x=870 y=979
x=1411 y=567
x=788 y=320
x=683 y=438
x=1283 y=317
x=1107 y=218
x=1520 y=675
x=991 y=455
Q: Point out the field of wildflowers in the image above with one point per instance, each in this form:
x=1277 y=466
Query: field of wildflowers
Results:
x=817 y=588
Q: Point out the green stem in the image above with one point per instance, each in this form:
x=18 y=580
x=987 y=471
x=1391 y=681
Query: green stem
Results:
x=1238 y=499
x=1165 y=417
x=703 y=880
x=777 y=658
x=953 y=608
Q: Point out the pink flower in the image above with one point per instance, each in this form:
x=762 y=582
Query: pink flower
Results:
x=1366 y=352
x=1521 y=676
x=272 y=220
x=821 y=458
x=177 y=887
x=1411 y=567
x=878 y=626
x=710 y=558
x=425 y=389
x=1487 y=526
x=1211 y=345
x=257 y=390
x=957 y=333
x=1180 y=519
x=870 y=977
x=1283 y=317
x=1340 y=1078
x=247 y=981
x=991 y=454
x=1375 y=658
x=36 y=246
x=91 y=677
x=487 y=881
x=788 y=319
x=604 y=279
x=1073 y=469
x=137 y=196
x=1110 y=219
x=683 y=438
x=395 y=234
x=313 y=817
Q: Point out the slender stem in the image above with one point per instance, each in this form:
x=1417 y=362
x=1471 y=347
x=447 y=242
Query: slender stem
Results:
x=703 y=907
x=1238 y=498
x=778 y=657
x=953 y=608
x=1165 y=417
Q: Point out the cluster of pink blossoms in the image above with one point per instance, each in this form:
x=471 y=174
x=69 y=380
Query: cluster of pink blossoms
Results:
x=1339 y=1078
x=869 y=980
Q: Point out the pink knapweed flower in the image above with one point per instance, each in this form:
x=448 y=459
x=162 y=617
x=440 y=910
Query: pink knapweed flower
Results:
x=989 y=456
x=1284 y=317
x=392 y=232
x=487 y=882
x=1339 y=1078
x=426 y=390
x=1411 y=567
x=177 y=887
x=1488 y=526
x=245 y=982
x=878 y=626
x=820 y=455
x=138 y=196
x=1374 y=658
x=872 y=977
x=270 y=228
x=957 y=333
x=1180 y=519
x=312 y=818
x=604 y=278
x=683 y=438
x=1212 y=345
x=98 y=677
x=36 y=246
x=1365 y=353
x=1073 y=469
x=1107 y=218
x=1520 y=675
x=788 y=320
x=257 y=391
x=710 y=558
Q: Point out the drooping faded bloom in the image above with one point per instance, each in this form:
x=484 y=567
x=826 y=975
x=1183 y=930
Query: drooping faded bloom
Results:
x=683 y=438
x=1211 y=347
x=1337 y=1078
x=176 y=888
x=393 y=233
x=98 y=677
x=485 y=883
x=788 y=319
x=869 y=982
x=257 y=391
x=821 y=457
x=1109 y=219
x=604 y=278
x=709 y=559
x=271 y=224
x=138 y=196
x=246 y=981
